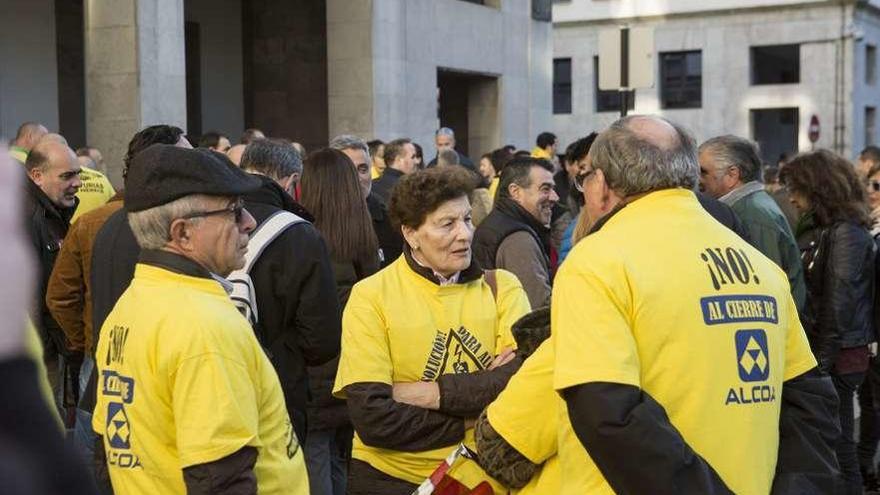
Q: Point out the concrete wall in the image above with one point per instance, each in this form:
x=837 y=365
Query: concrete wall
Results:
x=396 y=67
x=221 y=64
x=28 y=69
x=728 y=95
x=592 y=10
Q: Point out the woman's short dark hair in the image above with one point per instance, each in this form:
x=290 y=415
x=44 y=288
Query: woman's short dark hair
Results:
x=418 y=194
x=831 y=186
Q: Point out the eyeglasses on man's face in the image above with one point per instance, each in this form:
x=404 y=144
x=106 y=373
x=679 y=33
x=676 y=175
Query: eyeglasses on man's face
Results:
x=236 y=208
x=581 y=177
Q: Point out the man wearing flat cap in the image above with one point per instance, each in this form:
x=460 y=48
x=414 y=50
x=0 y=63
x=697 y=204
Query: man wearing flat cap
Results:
x=188 y=402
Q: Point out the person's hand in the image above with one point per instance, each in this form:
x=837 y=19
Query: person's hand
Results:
x=16 y=260
x=420 y=394
x=506 y=356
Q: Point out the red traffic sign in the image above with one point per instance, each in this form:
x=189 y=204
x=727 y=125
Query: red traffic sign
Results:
x=813 y=133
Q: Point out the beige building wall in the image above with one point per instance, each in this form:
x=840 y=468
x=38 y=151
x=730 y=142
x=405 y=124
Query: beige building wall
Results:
x=135 y=73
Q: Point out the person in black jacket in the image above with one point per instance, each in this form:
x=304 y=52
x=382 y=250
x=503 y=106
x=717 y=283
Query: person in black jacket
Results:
x=300 y=321
x=330 y=191
x=838 y=254
x=50 y=201
x=400 y=160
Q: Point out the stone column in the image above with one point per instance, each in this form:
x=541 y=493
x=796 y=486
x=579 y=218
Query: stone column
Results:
x=350 y=68
x=135 y=72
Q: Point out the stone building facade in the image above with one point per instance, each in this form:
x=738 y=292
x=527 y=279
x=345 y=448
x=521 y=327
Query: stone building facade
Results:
x=756 y=68
x=99 y=70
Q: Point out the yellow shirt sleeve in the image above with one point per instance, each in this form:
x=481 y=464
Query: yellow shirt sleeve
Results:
x=798 y=357
x=513 y=303
x=591 y=327
x=365 y=356
x=215 y=408
x=526 y=413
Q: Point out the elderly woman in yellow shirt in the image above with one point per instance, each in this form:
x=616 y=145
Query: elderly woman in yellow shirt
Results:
x=426 y=342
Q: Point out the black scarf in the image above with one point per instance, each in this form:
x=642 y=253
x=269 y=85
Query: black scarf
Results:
x=513 y=210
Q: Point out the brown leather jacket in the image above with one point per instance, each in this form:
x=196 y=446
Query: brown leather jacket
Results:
x=67 y=294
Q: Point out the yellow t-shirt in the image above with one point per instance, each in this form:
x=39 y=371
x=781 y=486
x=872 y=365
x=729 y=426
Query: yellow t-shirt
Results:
x=375 y=173
x=493 y=187
x=526 y=415
x=665 y=298
x=95 y=191
x=182 y=381
x=400 y=327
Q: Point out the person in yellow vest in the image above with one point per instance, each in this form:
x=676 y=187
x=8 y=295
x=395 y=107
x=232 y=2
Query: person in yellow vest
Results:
x=188 y=401
x=678 y=350
x=426 y=342
x=28 y=135
x=96 y=189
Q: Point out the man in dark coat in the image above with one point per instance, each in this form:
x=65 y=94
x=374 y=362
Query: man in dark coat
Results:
x=50 y=200
x=299 y=318
x=399 y=160
x=516 y=235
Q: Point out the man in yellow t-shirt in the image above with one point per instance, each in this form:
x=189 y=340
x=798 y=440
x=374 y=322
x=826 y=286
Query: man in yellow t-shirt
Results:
x=674 y=339
x=96 y=189
x=188 y=401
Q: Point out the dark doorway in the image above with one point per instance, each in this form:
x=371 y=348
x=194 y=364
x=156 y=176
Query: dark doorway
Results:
x=70 y=55
x=468 y=104
x=193 y=50
x=453 y=106
x=284 y=47
x=776 y=131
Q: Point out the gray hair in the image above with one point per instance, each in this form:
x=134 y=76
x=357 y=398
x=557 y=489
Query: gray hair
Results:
x=633 y=165
x=273 y=158
x=350 y=142
x=447 y=157
x=445 y=131
x=734 y=151
x=152 y=227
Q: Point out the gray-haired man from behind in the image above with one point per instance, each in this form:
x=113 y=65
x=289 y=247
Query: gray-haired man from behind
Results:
x=643 y=315
x=299 y=319
x=730 y=170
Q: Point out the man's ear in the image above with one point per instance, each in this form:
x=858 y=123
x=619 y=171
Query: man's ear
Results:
x=180 y=234
x=514 y=191
x=36 y=175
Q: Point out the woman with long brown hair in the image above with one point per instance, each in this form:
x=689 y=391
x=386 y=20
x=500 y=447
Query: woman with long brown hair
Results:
x=838 y=254
x=332 y=194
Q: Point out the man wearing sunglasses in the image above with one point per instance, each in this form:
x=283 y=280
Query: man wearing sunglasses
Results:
x=188 y=400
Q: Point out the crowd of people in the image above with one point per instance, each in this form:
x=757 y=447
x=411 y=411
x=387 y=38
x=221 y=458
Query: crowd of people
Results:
x=638 y=314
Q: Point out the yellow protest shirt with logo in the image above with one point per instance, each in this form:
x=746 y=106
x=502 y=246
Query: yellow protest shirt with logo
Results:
x=182 y=381
x=665 y=298
x=400 y=327
x=526 y=415
x=96 y=190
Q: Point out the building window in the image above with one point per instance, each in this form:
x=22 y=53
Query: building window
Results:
x=681 y=79
x=608 y=100
x=870 y=126
x=776 y=64
x=870 y=64
x=561 y=85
